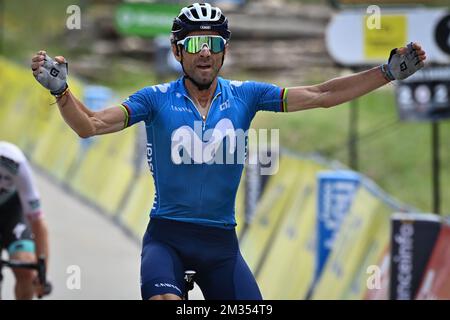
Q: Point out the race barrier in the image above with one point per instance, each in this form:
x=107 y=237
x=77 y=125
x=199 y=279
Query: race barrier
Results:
x=57 y=148
x=288 y=267
x=358 y=244
x=435 y=283
x=135 y=213
x=412 y=240
x=107 y=170
x=269 y=212
x=335 y=193
x=416 y=254
x=379 y=288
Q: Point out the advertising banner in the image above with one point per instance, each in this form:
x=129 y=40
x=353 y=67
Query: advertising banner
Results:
x=336 y=190
x=412 y=240
x=436 y=280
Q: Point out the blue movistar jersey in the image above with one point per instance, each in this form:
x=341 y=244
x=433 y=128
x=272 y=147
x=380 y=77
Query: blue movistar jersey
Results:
x=197 y=164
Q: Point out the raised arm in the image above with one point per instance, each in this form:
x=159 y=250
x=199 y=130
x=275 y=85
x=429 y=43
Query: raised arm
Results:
x=85 y=122
x=343 y=89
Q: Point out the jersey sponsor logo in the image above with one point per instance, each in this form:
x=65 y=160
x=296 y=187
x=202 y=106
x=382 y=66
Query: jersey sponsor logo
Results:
x=150 y=156
x=167 y=285
x=193 y=147
x=150 y=164
x=224 y=105
x=180 y=109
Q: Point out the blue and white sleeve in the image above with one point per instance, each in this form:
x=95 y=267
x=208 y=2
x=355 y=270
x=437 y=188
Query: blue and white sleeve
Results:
x=138 y=107
x=260 y=96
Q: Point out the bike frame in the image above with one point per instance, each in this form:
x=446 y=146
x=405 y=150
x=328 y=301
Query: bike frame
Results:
x=189 y=282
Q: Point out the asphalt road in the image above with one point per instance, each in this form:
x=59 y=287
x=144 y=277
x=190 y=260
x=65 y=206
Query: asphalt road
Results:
x=90 y=257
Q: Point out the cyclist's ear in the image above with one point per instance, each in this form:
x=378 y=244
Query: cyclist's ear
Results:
x=176 y=52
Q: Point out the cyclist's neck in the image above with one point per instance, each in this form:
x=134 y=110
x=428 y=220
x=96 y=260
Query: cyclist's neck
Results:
x=201 y=97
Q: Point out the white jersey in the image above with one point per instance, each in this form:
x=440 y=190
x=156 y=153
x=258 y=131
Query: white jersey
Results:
x=16 y=176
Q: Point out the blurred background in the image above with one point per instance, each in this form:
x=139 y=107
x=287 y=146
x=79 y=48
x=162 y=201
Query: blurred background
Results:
x=390 y=146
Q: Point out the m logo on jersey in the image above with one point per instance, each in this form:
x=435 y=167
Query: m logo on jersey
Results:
x=161 y=87
x=225 y=145
x=208 y=147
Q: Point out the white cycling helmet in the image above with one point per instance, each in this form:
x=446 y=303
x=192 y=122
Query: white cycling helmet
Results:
x=199 y=17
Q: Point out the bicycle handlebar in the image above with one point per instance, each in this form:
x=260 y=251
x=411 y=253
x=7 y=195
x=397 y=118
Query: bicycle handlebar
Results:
x=39 y=267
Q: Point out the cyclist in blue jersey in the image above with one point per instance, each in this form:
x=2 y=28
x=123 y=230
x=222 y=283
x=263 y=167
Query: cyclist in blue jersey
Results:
x=193 y=127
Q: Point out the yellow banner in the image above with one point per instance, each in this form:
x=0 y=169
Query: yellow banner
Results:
x=135 y=214
x=270 y=210
x=355 y=248
x=106 y=169
x=289 y=268
x=382 y=34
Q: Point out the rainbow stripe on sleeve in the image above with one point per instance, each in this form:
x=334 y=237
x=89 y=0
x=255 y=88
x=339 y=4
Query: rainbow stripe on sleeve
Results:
x=127 y=113
x=283 y=106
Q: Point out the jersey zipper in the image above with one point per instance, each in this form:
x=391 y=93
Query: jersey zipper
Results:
x=203 y=118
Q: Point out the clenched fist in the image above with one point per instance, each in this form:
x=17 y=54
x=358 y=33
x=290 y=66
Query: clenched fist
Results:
x=404 y=62
x=51 y=74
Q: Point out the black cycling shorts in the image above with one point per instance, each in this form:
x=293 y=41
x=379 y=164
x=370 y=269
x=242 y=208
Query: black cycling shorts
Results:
x=171 y=247
x=15 y=232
